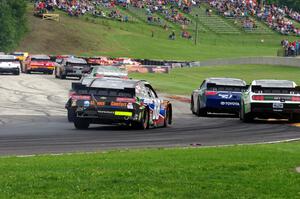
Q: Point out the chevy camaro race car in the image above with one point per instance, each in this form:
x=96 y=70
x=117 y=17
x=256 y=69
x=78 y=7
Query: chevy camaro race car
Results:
x=9 y=64
x=278 y=99
x=118 y=101
x=217 y=95
x=38 y=63
x=72 y=67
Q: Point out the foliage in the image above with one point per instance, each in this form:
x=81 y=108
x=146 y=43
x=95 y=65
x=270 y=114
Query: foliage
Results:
x=12 y=23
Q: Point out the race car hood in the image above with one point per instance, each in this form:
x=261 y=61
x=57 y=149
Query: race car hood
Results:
x=11 y=64
x=42 y=63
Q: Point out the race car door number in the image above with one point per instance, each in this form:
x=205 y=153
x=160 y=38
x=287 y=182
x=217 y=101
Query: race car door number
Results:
x=277 y=105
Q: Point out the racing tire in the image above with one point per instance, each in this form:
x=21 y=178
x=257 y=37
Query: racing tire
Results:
x=294 y=118
x=192 y=106
x=144 y=123
x=62 y=76
x=28 y=72
x=246 y=118
x=81 y=124
x=16 y=72
x=168 y=116
x=201 y=112
x=71 y=115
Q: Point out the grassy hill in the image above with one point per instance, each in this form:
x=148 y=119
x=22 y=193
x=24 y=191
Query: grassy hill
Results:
x=95 y=36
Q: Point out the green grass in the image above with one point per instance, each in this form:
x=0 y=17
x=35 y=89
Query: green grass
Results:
x=258 y=171
x=184 y=80
x=95 y=36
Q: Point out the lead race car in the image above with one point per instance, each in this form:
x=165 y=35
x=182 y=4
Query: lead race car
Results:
x=119 y=101
x=217 y=95
x=278 y=99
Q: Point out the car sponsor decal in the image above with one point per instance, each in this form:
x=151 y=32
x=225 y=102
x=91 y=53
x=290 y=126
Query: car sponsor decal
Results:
x=118 y=104
x=230 y=103
x=123 y=113
x=225 y=96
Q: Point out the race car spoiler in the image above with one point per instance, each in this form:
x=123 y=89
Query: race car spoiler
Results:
x=112 y=92
x=278 y=90
x=235 y=88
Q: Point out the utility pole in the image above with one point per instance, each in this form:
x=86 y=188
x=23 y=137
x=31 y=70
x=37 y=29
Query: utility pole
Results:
x=196 y=31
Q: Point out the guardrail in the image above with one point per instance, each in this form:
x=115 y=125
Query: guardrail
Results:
x=279 y=61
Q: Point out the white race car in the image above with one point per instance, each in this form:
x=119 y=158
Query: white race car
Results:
x=278 y=99
x=9 y=64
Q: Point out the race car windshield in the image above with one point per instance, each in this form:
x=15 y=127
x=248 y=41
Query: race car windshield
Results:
x=113 y=84
x=275 y=83
x=227 y=82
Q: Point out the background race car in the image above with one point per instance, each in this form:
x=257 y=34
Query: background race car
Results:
x=217 y=95
x=9 y=64
x=118 y=101
x=38 y=63
x=72 y=67
x=271 y=99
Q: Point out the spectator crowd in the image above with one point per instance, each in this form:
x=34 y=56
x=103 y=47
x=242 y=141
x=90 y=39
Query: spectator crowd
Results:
x=291 y=48
x=277 y=18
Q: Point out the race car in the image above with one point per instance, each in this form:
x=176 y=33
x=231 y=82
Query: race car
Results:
x=109 y=71
x=276 y=99
x=20 y=55
x=9 y=64
x=72 y=67
x=38 y=63
x=217 y=95
x=118 y=101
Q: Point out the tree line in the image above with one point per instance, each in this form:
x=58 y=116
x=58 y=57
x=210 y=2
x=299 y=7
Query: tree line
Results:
x=12 y=23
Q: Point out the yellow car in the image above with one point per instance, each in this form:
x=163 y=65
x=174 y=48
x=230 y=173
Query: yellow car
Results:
x=21 y=56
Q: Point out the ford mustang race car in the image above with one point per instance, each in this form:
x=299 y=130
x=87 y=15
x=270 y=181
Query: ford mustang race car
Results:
x=278 y=99
x=38 y=63
x=109 y=71
x=217 y=95
x=9 y=64
x=72 y=67
x=118 y=101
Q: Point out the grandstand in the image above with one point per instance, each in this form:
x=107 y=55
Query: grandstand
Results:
x=214 y=22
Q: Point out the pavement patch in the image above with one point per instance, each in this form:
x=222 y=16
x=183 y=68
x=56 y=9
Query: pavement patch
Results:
x=180 y=98
x=298 y=169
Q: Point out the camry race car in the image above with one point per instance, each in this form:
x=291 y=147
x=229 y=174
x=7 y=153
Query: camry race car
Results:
x=9 y=64
x=72 y=67
x=278 y=99
x=38 y=63
x=118 y=101
x=217 y=95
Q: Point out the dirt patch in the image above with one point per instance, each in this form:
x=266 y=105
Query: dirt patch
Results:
x=179 y=98
x=298 y=169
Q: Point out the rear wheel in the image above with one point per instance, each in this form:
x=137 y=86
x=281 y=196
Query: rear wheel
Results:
x=17 y=72
x=245 y=117
x=294 y=118
x=71 y=115
x=144 y=123
x=201 y=112
x=168 y=116
x=81 y=123
x=192 y=105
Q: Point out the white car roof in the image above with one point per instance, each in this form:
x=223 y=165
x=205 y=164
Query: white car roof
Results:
x=274 y=83
x=7 y=57
x=226 y=81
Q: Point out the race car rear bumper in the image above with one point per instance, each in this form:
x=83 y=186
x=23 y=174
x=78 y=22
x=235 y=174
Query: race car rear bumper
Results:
x=9 y=70
x=267 y=110
x=41 y=70
x=109 y=116
x=222 y=106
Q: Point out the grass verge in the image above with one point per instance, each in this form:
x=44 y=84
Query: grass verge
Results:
x=256 y=171
x=184 y=80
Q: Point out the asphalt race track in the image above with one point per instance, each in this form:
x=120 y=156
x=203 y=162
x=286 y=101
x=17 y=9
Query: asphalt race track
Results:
x=33 y=121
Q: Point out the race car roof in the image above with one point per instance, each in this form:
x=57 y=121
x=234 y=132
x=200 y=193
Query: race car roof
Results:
x=74 y=60
x=46 y=57
x=87 y=80
x=113 y=83
x=226 y=81
x=7 y=57
x=274 y=83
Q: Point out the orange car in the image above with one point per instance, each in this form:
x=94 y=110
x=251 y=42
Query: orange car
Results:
x=38 y=63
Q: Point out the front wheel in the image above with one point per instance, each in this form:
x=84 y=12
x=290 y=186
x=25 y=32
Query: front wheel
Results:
x=81 y=123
